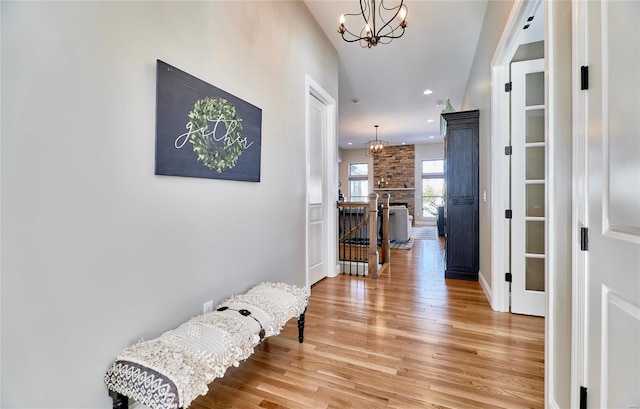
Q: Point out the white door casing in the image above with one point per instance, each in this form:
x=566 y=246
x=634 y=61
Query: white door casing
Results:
x=607 y=202
x=557 y=52
x=321 y=181
x=528 y=188
x=500 y=135
x=317 y=200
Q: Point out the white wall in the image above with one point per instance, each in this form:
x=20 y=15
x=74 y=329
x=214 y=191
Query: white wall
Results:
x=478 y=96
x=97 y=251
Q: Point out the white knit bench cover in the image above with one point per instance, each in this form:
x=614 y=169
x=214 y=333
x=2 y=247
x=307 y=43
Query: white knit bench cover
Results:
x=170 y=371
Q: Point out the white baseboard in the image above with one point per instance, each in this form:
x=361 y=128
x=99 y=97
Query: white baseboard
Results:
x=336 y=271
x=485 y=288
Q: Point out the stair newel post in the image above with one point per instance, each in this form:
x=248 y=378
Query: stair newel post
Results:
x=373 y=236
x=386 y=250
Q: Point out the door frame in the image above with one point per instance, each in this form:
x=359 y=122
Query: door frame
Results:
x=500 y=135
x=498 y=291
x=580 y=199
x=330 y=191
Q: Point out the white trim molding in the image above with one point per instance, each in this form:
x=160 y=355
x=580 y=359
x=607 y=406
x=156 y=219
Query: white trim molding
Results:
x=620 y=232
x=500 y=136
x=485 y=287
x=579 y=206
x=610 y=298
x=312 y=88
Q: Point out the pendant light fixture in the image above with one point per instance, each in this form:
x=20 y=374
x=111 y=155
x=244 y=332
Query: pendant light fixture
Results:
x=383 y=22
x=375 y=146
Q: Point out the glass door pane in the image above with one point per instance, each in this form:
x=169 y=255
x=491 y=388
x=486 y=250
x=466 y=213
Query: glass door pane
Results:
x=535 y=237
x=535 y=126
x=535 y=200
x=432 y=196
x=534 y=274
x=535 y=89
x=535 y=162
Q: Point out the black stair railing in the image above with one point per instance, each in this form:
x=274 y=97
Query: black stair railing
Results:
x=362 y=230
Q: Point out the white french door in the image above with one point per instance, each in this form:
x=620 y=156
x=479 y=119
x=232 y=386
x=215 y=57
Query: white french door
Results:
x=608 y=205
x=528 y=187
x=317 y=240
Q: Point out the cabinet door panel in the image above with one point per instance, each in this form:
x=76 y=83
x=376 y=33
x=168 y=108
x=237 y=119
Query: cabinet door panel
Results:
x=461 y=238
x=460 y=164
x=461 y=175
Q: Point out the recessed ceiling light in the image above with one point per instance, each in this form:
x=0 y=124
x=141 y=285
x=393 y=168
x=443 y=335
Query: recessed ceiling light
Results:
x=404 y=143
x=429 y=120
x=427 y=92
x=431 y=137
x=350 y=143
x=356 y=101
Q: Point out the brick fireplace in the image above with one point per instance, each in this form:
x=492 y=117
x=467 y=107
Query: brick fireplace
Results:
x=394 y=172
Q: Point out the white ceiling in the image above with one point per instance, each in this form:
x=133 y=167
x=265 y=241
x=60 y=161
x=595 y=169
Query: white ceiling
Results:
x=436 y=53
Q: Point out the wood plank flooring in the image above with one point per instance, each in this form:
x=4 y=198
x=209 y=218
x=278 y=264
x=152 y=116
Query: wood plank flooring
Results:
x=410 y=339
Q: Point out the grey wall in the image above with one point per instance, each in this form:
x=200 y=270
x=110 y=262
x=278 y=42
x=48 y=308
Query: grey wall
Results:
x=97 y=251
x=478 y=96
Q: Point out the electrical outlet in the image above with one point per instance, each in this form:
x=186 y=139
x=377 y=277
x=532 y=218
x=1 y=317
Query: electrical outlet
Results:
x=208 y=306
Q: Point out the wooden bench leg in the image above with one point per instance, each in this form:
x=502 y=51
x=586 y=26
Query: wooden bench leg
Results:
x=119 y=401
x=301 y=327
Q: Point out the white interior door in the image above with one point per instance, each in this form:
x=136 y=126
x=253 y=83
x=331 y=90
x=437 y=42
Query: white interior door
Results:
x=611 y=295
x=528 y=187
x=317 y=240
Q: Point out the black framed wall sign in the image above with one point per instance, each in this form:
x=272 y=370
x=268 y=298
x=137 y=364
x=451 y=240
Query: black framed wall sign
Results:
x=203 y=131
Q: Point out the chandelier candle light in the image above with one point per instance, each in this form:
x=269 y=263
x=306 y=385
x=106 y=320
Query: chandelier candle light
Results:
x=375 y=146
x=382 y=23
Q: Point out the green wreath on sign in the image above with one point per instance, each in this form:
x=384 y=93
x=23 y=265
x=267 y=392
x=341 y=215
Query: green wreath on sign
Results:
x=219 y=130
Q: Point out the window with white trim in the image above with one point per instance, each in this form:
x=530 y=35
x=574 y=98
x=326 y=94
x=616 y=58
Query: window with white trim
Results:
x=359 y=182
x=432 y=186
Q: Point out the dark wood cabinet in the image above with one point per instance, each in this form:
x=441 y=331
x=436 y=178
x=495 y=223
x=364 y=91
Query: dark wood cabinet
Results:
x=461 y=134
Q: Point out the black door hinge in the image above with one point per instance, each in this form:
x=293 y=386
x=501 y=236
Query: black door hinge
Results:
x=584 y=77
x=508 y=214
x=508 y=86
x=583 y=397
x=508 y=277
x=508 y=150
x=584 y=239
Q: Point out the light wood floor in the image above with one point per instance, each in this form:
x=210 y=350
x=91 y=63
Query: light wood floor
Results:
x=410 y=339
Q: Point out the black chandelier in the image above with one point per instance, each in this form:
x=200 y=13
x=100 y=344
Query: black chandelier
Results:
x=382 y=23
x=375 y=146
